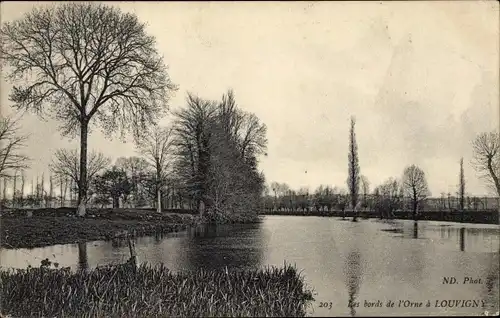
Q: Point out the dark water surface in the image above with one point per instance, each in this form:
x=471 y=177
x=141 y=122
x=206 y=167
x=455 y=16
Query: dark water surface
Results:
x=342 y=261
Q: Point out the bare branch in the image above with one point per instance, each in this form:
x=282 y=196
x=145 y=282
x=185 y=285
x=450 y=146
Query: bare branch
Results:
x=12 y=141
x=66 y=164
x=486 y=160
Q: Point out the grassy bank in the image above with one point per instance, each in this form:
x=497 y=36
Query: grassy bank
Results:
x=61 y=226
x=146 y=291
x=480 y=216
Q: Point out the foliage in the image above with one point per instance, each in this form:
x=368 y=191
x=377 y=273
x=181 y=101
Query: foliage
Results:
x=353 y=175
x=115 y=184
x=217 y=146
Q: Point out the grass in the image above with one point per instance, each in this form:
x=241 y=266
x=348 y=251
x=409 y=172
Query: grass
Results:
x=61 y=226
x=145 y=291
x=58 y=226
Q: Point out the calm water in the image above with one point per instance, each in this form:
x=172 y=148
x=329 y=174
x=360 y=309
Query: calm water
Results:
x=342 y=261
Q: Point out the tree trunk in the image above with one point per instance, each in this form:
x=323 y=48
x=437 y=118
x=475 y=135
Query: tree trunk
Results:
x=158 y=200
x=82 y=187
x=496 y=181
x=116 y=202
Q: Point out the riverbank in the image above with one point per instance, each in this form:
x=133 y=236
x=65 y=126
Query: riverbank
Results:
x=61 y=226
x=478 y=217
x=146 y=291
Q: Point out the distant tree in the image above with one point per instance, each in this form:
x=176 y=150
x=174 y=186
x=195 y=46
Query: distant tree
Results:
x=4 y=191
x=156 y=148
x=114 y=184
x=86 y=63
x=137 y=169
x=353 y=173
x=342 y=201
x=65 y=164
x=365 y=187
x=14 y=188
x=486 y=161
x=12 y=141
x=388 y=198
x=415 y=187
x=461 y=189
x=303 y=198
x=23 y=182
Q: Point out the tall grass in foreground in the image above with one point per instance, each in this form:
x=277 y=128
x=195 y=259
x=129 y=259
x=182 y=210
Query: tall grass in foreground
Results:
x=145 y=291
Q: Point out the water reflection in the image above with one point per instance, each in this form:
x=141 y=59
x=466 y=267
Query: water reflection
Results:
x=353 y=274
x=213 y=247
x=366 y=260
x=462 y=239
x=83 y=261
x=491 y=286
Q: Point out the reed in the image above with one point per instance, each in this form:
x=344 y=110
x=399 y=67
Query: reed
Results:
x=146 y=291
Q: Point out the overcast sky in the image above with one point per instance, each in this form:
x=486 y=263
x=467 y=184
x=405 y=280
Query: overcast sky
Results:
x=422 y=79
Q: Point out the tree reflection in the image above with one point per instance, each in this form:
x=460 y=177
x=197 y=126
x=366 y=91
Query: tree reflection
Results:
x=83 y=263
x=462 y=239
x=491 y=284
x=353 y=272
x=218 y=246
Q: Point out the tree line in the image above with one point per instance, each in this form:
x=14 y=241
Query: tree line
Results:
x=91 y=66
x=206 y=161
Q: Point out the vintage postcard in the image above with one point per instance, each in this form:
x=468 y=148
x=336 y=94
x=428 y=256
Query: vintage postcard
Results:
x=249 y=159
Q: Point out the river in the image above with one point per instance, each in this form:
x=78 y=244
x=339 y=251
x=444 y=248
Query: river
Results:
x=365 y=263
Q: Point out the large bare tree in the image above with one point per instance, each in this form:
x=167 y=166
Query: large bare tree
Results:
x=486 y=159
x=86 y=64
x=353 y=174
x=415 y=187
x=156 y=148
x=12 y=141
x=66 y=165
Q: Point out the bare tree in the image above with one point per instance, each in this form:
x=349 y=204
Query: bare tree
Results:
x=11 y=144
x=353 y=173
x=23 y=182
x=86 y=64
x=365 y=186
x=65 y=164
x=51 y=191
x=14 y=189
x=415 y=187
x=137 y=169
x=388 y=198
x=156 y=148
x=486 y=161
x=4 y=189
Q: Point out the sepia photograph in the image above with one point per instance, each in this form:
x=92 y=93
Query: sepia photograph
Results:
x=249 y=159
